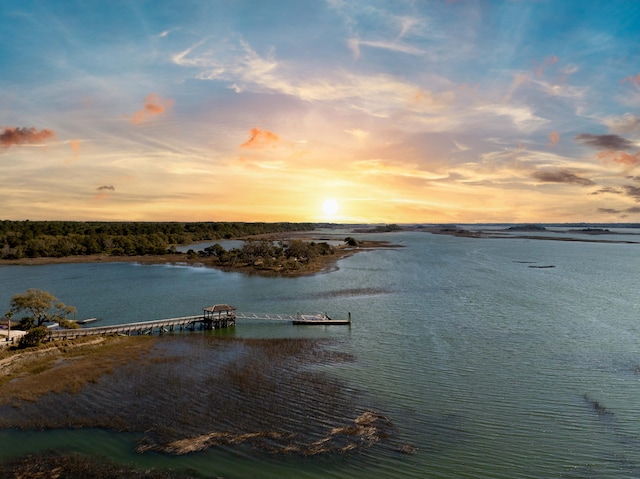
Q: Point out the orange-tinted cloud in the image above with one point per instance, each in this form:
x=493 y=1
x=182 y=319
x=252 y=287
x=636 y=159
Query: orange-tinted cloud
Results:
x=153 y=105
x=261 y=139
x=634 y=80
x=75 y=148
x=620 y=157
x=548 y=62
x=554 y=137
x=20 y=136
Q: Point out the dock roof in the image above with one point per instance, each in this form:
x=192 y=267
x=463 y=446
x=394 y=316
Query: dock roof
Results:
x=220 y=307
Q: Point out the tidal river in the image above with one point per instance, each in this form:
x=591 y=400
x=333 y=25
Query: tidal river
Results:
x=490 y=358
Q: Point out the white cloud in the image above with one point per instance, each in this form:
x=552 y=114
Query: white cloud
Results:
x=246 y=70
x=623 y=125
x=521 y=116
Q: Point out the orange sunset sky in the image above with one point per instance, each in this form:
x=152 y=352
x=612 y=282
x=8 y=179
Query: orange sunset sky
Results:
x=304 y=110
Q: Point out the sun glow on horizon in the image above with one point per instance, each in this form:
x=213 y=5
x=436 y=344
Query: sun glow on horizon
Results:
x=330 y=207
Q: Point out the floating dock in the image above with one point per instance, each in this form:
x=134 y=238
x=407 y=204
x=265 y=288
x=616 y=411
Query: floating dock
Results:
x=321 y=319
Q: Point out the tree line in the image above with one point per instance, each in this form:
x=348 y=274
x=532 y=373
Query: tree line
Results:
x=33 y=239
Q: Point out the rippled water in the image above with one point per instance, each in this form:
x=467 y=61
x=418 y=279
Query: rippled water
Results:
x=490 y=367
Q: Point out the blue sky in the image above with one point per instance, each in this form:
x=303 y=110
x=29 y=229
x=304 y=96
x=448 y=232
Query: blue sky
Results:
x=416 y=111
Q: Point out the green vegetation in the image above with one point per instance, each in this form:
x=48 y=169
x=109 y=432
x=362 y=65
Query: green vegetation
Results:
x=351 y=241
x=33 y=338
x=57 y=239
x=268 y=255
x=386 y=229
x=42 y=306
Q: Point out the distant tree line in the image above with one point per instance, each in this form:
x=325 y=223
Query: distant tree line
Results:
x=33 y=239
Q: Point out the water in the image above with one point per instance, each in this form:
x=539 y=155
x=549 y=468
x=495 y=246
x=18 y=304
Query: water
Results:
x=490 y=367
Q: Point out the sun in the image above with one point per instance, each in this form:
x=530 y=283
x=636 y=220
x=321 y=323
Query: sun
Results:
x=330 y=207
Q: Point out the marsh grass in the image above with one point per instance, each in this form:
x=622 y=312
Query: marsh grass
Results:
x=52 y=465
x=189 y=392
x=66 y=366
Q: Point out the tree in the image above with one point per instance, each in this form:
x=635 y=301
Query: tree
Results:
x=33 y=337
x=351 y=241
x=43 y=306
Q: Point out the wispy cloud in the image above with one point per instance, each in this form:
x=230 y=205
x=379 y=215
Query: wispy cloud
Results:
x=626 y=124
x=632 y=80
x=75 y=149
x=393 y=45
x=620 y=157
x=546 y=63
x=12 y=136
x=245 y=70
x=554 y=137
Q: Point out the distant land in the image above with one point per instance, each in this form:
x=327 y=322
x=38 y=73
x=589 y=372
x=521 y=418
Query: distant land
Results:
x=269 y=248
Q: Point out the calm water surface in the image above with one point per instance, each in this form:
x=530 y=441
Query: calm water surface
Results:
x=492 y=367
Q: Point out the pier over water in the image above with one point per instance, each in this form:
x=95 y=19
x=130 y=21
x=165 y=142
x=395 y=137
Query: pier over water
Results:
x=213 y=317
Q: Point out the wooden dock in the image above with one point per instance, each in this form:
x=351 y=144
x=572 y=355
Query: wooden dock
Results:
x=214 y=317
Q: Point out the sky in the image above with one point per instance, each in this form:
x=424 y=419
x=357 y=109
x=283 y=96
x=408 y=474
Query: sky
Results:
x=346 y=111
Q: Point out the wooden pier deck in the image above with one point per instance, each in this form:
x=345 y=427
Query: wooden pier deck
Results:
x=214 y=317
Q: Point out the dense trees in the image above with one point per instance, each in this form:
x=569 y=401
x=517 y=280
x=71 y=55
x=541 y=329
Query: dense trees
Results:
x=264 y=254
x=32 y=239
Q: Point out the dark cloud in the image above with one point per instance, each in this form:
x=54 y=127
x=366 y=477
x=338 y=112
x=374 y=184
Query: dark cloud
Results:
x=632 y=191
x=106 y=187
x=561 y=176
x=608 y=189
x=611 y=211
x=605 y=142
x=19 y=136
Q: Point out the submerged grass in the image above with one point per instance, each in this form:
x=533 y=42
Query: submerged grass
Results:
x=189 y=392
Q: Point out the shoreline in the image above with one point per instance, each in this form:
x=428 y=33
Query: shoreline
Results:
x=317 y=265
x=505 y=234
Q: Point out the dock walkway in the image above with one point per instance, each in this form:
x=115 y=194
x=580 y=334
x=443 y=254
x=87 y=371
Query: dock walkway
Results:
x=214 y=317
